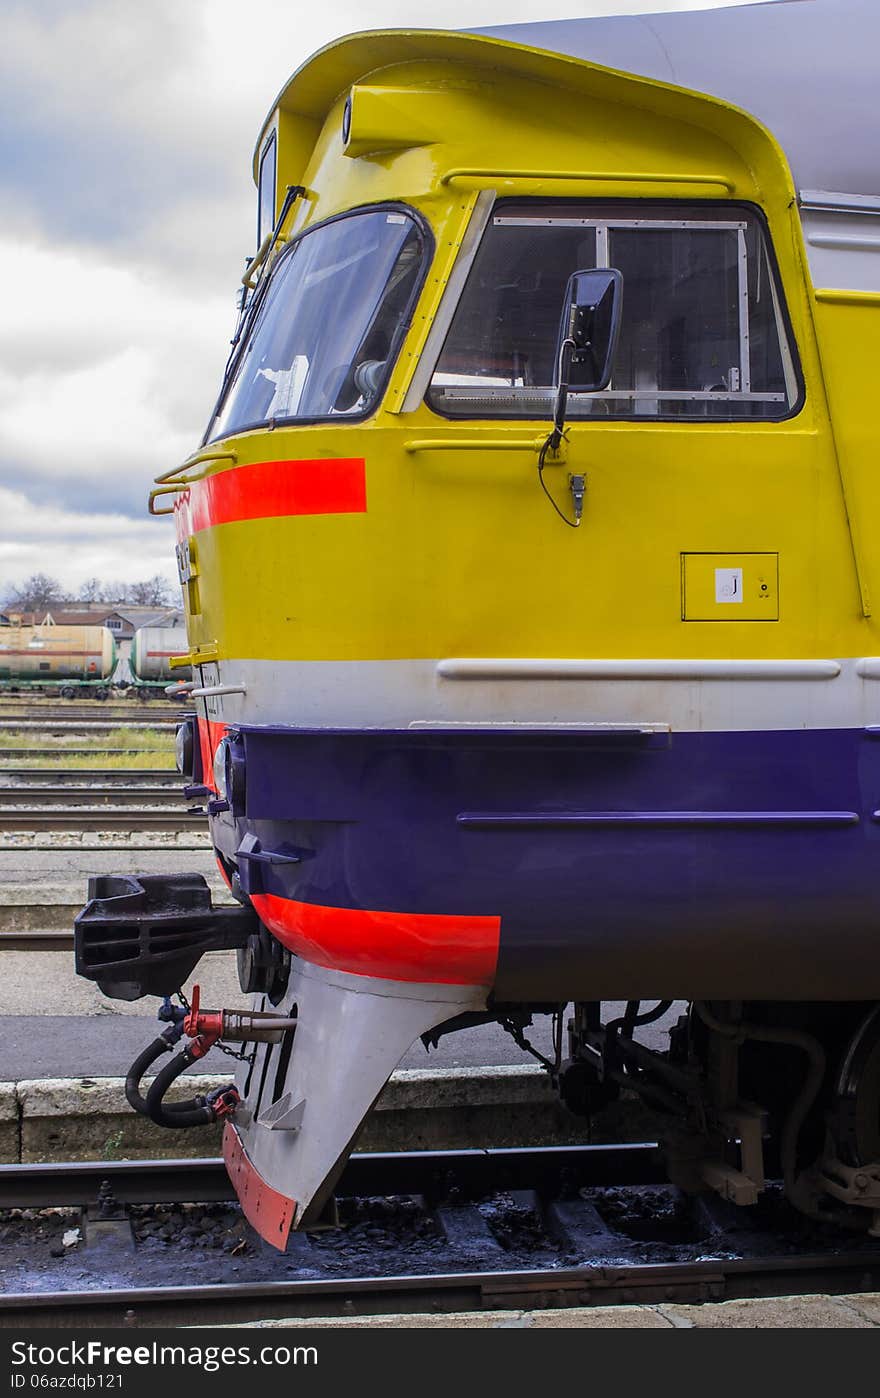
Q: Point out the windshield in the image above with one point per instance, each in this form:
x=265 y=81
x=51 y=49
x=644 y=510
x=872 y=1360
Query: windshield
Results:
x=331 y=320
x=702 y=333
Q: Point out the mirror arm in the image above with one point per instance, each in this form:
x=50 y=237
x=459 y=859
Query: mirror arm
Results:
x=566 y=351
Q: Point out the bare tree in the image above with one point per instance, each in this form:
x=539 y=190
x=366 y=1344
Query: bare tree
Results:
x=155 y=592
x=40 y=593
x=116 y=592
x=92 y=590
x=36 y=594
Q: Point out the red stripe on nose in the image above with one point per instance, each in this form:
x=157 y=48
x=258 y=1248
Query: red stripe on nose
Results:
x=447 y=949
x=274 y=489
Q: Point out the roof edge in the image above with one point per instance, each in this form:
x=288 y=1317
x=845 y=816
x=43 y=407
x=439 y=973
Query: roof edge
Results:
x=313 y=88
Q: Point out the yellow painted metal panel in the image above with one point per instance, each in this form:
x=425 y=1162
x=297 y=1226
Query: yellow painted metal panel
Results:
x=458 y=553
x=730 y=587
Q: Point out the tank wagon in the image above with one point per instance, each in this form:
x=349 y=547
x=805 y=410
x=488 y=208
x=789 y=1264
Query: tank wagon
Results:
x=152 y=650
x=64 y=660
x=531 y=594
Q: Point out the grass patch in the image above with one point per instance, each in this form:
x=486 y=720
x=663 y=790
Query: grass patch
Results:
x=147 y=739
x=58 y=760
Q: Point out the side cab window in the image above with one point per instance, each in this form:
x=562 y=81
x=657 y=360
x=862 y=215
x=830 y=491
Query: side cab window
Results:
x=703 y=333
x=266 y=190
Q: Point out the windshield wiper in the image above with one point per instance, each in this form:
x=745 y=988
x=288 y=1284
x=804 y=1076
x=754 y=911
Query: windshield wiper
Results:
x=248 y=305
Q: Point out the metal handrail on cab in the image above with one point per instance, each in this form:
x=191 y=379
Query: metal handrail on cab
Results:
x=171 y=482
x=472 y=177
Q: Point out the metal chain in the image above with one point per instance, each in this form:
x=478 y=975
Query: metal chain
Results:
x=233 y=1053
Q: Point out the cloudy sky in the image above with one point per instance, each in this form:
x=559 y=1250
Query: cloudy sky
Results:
x=126 y=212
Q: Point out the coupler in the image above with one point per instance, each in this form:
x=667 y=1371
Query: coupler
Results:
x=144 y=934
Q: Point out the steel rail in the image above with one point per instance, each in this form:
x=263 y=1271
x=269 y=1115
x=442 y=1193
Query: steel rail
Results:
x=76 y=1183
x=84 y=727
x=37 y=939
x=90 y=751
x=86 y=818
x=104 y=712
x=106 y=776
x=75 y=798
x=682 y=1283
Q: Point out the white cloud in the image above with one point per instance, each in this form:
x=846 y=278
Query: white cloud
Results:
x=76 y=546
x=105 y=370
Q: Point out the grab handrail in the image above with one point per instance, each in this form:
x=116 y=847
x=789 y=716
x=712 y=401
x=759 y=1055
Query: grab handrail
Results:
x=197 y=459
x=170 y=482
x=587 y=177
x=475 y=444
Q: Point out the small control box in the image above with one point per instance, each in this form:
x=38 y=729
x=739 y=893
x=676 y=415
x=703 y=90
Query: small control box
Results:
x=730 y=587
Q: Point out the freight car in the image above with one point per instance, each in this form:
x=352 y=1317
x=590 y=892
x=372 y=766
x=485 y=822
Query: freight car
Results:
x=152 y=650
x=63 y=660
x=531 y=598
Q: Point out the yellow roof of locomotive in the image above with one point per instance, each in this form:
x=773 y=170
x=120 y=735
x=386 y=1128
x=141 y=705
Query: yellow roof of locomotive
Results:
x=311 y=92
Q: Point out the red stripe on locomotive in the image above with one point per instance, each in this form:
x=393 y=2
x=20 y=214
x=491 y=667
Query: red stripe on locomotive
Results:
x=444 y=949
x=272 y=489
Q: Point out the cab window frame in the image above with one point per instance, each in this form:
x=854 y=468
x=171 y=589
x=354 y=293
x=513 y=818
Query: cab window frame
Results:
x=643 y=211
x=263 y=291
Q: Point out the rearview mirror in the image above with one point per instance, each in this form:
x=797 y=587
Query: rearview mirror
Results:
x=587 y=338
x=590 y=327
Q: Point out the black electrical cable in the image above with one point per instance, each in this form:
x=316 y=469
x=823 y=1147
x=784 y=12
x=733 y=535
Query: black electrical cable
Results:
x=554 y=441
x=572 y=523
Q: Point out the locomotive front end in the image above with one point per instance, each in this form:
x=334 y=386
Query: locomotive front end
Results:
x=515 y=687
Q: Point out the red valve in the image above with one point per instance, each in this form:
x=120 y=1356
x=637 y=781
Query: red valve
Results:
x=203 y=1027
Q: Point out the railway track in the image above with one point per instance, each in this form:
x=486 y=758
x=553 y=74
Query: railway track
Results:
x=109 y=818
x=74 y=798
x=65 y=728
x=452 y=1231
x=39 y=778
x=17 y=754
x=103 y=713
x=41 y=799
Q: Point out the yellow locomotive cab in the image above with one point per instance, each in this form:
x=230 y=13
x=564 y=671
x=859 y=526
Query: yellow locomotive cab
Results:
x=529 y=596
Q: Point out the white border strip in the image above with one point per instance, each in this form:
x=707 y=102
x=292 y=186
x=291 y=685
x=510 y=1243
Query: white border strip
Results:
x=684 y=695
x=489 y=669
x=836 y=202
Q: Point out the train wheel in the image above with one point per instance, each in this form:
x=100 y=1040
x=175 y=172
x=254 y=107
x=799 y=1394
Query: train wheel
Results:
x=101 y=692
x=67 y=691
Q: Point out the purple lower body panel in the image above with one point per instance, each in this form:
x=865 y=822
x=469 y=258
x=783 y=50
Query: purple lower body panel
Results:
x=621 y=864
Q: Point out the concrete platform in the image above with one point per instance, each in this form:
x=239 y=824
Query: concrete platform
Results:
x=854 y=1311
x=419 y=1109
x=41 y=867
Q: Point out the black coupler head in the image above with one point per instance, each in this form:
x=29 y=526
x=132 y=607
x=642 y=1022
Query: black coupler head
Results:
x=143 y=934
